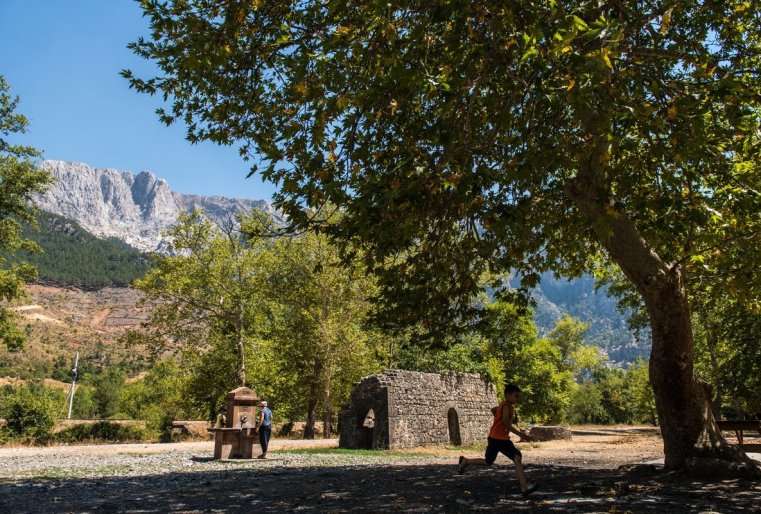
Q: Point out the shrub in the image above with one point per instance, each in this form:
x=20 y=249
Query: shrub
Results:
x=30 y=412
x=163 y=424
x=103 y=431
x=5 y=435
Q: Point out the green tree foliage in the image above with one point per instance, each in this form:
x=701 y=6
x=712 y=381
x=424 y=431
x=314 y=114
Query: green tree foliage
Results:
x=509 y=330
x=107 y=388
x=613 y=395
x=288 y=308
x=617 y=398
x=643 y=400
x=211 y=373
x=84 y=405
x=164 y=391
x=729 y=356
x=586 y=405
x=71 y=256
x=20 y=180
x=468 y=355
x=102 y=431
x=467 y=137
x=320 y=307
x=553 y=365
x=567 y=336
x=210 y=293
x=30 y=412
x=546 y=369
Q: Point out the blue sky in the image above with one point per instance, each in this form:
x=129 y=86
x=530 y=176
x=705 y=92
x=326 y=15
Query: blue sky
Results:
x=62 y=58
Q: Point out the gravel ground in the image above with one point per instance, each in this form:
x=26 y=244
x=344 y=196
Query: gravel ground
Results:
x=581 y=475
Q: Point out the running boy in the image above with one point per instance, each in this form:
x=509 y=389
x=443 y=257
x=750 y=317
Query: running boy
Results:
x=499 y=440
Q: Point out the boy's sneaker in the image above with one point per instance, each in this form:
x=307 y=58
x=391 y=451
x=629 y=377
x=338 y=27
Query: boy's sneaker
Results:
x=530 y=488
x=461 y=465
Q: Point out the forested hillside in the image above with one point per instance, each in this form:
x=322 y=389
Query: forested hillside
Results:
x=73 y=257
x=608 y=327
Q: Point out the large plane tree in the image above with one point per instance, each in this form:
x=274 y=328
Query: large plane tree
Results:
x=470 y=138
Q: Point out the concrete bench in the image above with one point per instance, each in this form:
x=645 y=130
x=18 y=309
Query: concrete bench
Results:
x=738 y=426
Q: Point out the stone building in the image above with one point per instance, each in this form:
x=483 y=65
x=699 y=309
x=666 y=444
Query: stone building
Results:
x=404 y=409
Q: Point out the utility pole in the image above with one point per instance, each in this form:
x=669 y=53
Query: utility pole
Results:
x=73 y=384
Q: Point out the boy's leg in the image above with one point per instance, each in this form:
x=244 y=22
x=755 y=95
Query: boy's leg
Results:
x=520 y=472
x=516 y=456
x=477 y=462
x=488 y=460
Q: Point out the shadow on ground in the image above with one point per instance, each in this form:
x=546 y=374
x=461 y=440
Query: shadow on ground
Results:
x=409 y=488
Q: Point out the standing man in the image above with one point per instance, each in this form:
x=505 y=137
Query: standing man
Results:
x=265 y=428
x=499 y=440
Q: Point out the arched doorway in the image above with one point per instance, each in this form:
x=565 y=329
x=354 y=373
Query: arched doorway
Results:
x=366 y=430
x=453 y=420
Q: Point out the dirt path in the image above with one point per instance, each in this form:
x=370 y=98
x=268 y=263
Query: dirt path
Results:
x=582 y=475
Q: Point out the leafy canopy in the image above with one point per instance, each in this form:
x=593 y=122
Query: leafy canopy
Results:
x=454 y=134
x=20 y=180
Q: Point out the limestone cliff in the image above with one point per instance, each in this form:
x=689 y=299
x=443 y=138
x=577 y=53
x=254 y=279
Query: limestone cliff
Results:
x=133 y=208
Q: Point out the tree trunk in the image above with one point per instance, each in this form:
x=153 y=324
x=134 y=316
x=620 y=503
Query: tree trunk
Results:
x=314 y=393
x=311 y=418
x=327 y=370
x=682 y=401
x=718 y=399
x=239 y=346
x=691 y=438
x=327 y=428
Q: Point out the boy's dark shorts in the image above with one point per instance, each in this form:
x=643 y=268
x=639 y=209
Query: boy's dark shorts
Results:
x=496 y=446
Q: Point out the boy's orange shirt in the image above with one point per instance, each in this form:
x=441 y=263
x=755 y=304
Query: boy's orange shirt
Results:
x=498 y=427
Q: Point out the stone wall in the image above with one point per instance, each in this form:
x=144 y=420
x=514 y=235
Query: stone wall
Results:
x=409 y=409
x=364 y=421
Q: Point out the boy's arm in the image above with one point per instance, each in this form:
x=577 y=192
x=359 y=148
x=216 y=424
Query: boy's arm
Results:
x=520 y=433
x=509 y=425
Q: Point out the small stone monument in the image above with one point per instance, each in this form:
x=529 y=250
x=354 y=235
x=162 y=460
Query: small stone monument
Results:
x=548 y=433
x=236 y=440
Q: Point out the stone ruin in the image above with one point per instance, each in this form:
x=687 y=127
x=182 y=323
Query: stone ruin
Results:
x=404 y=409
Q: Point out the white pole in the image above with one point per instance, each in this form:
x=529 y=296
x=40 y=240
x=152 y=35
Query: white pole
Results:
x=73 y=383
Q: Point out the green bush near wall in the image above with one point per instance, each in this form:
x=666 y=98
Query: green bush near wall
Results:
x=104 y=431
x=29 y=414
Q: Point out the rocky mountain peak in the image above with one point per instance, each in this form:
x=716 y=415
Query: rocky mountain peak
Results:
x=133 y=208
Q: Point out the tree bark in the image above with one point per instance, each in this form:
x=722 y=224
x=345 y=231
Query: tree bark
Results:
x=327 y=428
x=314 y=392
x=718 y=398
x=689 y=431
x=682 y=401
x=239 y=346
x=328 y=366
